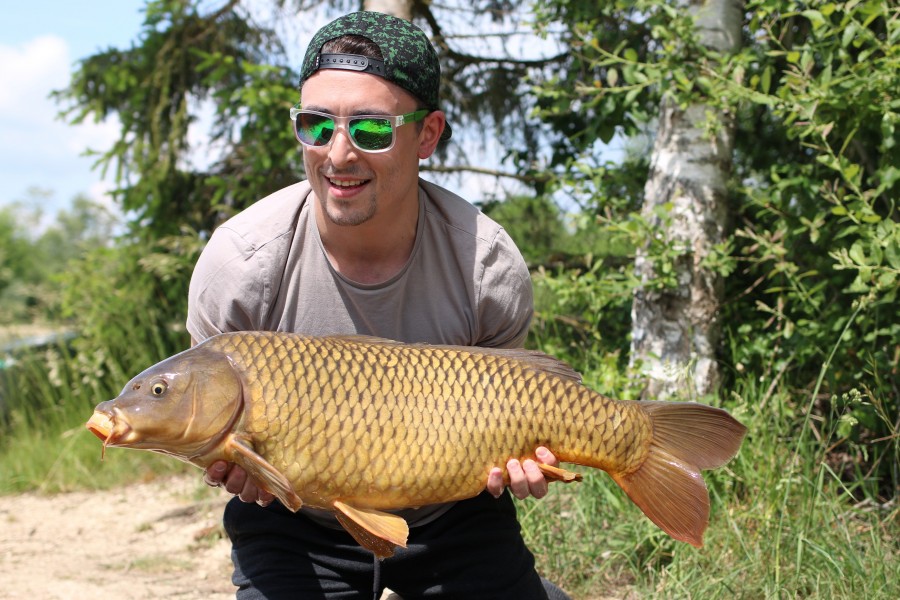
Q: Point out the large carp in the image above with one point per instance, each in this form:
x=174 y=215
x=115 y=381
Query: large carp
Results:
x=359 y=426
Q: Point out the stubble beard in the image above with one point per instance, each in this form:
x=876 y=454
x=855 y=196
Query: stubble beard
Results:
x=344 y=213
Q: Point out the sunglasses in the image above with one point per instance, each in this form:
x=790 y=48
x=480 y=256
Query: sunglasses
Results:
x=369 y=133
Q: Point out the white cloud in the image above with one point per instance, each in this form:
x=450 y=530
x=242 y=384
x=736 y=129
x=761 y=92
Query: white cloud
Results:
x=36 y=147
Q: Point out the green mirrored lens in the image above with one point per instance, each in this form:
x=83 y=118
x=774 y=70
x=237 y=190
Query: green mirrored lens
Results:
x=315 y=130
x=371 y=133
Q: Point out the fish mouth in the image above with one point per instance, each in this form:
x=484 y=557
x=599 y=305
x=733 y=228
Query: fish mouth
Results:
x=108 y=429
x=101 y=425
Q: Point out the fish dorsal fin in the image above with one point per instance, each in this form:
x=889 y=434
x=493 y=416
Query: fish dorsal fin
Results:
x=534 y=359
x=262 y=472
x=531 y=359
x=372 y=340
x=539 y=361
x=374 y=530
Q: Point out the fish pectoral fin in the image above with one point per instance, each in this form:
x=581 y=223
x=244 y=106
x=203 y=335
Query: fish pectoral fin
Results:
x=557 y=474
x=263 y=473
x=374 y=530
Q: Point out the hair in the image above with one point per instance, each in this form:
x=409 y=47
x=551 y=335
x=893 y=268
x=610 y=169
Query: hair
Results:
x=353 y=44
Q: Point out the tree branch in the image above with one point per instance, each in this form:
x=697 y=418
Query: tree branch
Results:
x=484 y=171
x=423 y=9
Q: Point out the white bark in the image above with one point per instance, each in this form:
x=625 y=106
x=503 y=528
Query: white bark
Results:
x=675 y=332
x=398 y=8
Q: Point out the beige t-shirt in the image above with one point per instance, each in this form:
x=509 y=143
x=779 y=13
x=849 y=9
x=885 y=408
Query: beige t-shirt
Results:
x=265 y=269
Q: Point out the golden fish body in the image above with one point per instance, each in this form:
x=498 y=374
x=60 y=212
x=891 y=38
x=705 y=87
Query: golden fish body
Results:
x=359 y=425
x=387 y=425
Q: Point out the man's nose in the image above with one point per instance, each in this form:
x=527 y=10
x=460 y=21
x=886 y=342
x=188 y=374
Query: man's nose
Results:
x=342 y=151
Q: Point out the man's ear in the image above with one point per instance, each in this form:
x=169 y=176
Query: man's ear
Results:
x=432 y=128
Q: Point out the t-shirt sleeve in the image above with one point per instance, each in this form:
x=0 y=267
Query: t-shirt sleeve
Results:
x=227 y=290
x=506 y=301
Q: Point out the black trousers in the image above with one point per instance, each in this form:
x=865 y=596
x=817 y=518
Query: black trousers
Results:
x=475 y=550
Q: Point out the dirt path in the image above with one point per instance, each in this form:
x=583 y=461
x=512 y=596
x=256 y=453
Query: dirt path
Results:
x=153 y=540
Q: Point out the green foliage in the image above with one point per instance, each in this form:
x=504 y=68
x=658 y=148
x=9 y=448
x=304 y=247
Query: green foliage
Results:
x=533 y=222
x=814 y=250
x=611 y=81
x=810 y=321
x=582 y=314
x=819 y=235
x=34 y=254
x=138 y=312
x=123 y=316
x=157 y=89
x=16 y=259
x=45 y=399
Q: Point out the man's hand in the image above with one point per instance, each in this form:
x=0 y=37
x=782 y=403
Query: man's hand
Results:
x=525 y=478
x=235 y=481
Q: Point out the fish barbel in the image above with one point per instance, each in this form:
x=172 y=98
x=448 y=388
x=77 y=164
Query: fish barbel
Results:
x=360 y=426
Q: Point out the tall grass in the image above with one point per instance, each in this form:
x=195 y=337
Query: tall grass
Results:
x=48 y=395
x=785 y=523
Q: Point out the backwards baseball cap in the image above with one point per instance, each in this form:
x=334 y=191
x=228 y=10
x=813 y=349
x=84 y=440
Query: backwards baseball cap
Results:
x=409 y=58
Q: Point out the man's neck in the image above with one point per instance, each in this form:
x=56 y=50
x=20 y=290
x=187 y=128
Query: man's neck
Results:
x=374 y=251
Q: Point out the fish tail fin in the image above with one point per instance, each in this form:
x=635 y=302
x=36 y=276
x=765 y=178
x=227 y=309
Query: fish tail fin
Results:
x=687 y=438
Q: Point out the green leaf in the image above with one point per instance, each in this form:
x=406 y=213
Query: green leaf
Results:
x=849 y=34
x=892 y=254
x=631 y=95
x=857 y=253
x=612 y=77
x=815 y=17
x=887 y=279
x=766 y=81
x=846 y=424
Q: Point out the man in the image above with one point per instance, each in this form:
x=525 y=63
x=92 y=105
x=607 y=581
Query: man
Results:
x=364 y=246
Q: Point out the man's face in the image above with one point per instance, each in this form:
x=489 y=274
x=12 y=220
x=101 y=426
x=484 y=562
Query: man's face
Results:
x=353 y=186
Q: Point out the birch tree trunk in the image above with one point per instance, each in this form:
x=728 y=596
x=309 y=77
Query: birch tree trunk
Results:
x=675 y=332
x=397 y=8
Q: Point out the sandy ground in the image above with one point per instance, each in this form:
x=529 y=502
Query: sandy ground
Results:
x=155 y=540
x=162 y=539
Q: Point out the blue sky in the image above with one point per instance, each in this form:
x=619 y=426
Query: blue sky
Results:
x=39 y=44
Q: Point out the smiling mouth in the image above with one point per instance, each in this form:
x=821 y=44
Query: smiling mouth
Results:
x=347 y=183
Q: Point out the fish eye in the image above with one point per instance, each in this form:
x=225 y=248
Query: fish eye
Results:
x=158 y=388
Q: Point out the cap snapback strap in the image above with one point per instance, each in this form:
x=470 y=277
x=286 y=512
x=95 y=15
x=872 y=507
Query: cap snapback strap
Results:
x=350 y=62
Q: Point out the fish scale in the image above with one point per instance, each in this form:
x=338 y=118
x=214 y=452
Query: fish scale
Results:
x=402 y=389
x=358 y=426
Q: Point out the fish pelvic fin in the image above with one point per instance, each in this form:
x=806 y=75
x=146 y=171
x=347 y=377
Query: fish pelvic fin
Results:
x=668 y=486
x=556 y=474
x=374 y=530
x=262 y=472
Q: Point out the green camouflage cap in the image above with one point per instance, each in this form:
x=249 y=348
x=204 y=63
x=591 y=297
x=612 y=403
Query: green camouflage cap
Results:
x=410 y=60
